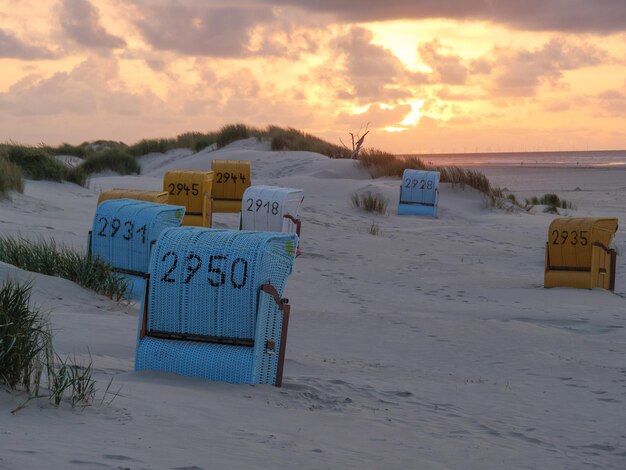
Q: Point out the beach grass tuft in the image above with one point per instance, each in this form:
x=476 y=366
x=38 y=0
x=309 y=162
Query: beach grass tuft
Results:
x=296 y=140
x=26 y=352
x=25 y=339
x=379 y=164
x=369 y=201
x=552 y=202
x=69 y=376
x=46 y=257
x=36 y=163
x=11 y=178
x=374 y=230
x=115 y=159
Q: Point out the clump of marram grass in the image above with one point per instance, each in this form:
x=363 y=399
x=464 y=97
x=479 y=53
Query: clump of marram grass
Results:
x=369 y=202
x=232 y=132
x=25 y=339
x=380 y=164
x=80 y=151
x=294 y=139
x=552 y=202
x=67 y=375
x=26 y=353
x=46 y=257
x=374 y=229
x=115 y=159
x=11 y=178
x=36 y=163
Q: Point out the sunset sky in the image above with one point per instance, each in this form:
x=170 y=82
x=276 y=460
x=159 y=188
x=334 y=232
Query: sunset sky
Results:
x=427 y=75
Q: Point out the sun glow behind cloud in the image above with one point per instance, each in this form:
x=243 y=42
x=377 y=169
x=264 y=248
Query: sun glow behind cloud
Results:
x=421 y=83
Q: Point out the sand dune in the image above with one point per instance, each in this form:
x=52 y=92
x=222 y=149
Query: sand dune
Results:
x=431 y=346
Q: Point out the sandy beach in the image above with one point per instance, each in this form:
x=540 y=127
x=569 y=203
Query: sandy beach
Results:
x=432 y=345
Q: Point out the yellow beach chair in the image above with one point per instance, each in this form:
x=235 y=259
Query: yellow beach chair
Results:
x=231 y=179
x=137 y=194
x=192 y=189
x=578 y=253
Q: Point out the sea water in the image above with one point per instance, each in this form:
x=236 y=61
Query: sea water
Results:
x=584 y=159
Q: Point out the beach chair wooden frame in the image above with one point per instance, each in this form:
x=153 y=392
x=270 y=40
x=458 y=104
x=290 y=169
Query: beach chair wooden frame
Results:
x=160 y=197
x=578 y=255
x=192 y=189
x=231 y=179
x=419 y=193
x=230 y=327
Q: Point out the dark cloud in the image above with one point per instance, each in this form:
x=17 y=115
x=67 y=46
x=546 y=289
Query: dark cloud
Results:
x=613 y=101
x=13 y=48
x=601 y=16
x=81 y=22
x=201 y=29
x=448 y=67
x=373 y=71
x=84 y=90
x=377 y=116
x=519 y=72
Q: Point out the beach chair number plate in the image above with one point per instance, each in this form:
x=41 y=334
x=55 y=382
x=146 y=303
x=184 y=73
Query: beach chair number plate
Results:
x=237 y=274
x=115 y=226
x=223 y=177
x=255 y=205
x=560 y=237
x=413 y=183
x=177 y=189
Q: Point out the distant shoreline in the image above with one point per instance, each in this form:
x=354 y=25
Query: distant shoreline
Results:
x=586 y=159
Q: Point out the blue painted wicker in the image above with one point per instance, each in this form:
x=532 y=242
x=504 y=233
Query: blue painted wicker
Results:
x=123 y=231
x=204 y=289
x=419 y=193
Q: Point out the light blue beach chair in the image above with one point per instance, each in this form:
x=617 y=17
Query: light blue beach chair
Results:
x=213 y=307
x=123 y=232
x=419 y=193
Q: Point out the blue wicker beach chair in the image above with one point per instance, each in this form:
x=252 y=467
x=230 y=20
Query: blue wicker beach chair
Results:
x=419 y=193
x=122 y=234
x=213 y=307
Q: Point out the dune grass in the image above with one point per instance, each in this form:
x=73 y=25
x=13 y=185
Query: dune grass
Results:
x=114 y=159
x=25 y=339
x=11 y=178
x=36 y=163
x=46 y=257
x=379 y=164
x=369 y=202
x=293 y=139
x=552 y=202
x=39 y=163
x=26 y=352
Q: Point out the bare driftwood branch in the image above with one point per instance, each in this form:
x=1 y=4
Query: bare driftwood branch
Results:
x=357 y=141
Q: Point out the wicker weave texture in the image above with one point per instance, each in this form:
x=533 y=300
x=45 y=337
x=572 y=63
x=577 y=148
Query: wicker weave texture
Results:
x=139 y=194
x=192 y=189
x=231 y=178
x=419 y=193
x=123 y=230
x=207 y=282
x=264 y=208
x=570 y=239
